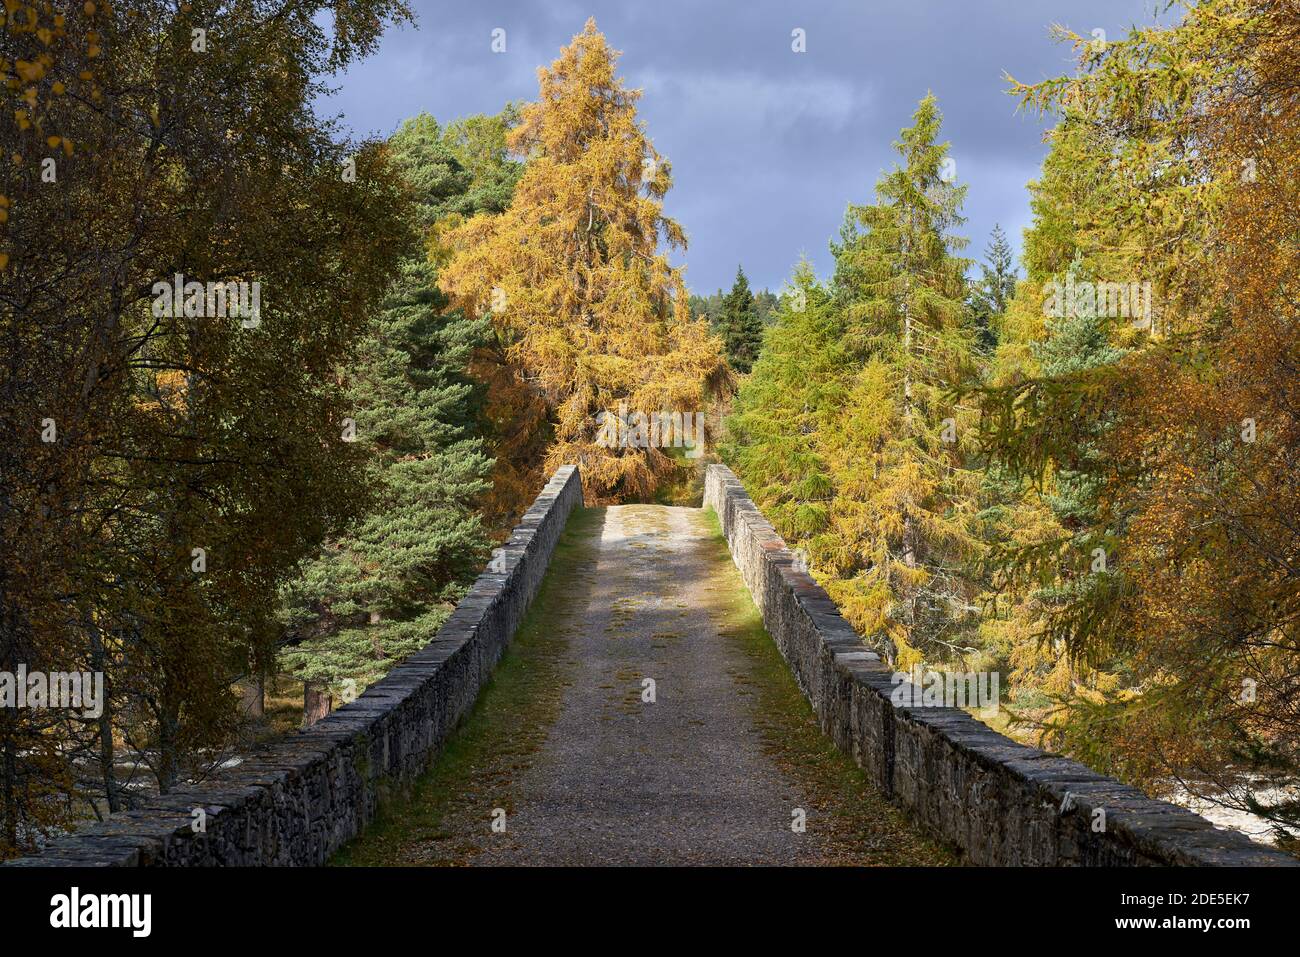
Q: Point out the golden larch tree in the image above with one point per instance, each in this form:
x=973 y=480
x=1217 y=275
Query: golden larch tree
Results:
x=589 y=315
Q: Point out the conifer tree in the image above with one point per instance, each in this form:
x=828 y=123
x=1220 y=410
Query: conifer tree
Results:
x=1043 y=534
x=381 y=591
x=992 y=293
x=740 y=326
x=773 y=435
x=846 y=430
x=1168 y=161
x=766 y=303
x=898 y=537
x=588 y=313
x=1040 y=522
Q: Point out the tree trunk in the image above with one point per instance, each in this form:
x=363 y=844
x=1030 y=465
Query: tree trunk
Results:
x=909 y=542
x=107 y=769
x=315 y=703
x=253 y=696
x=168 y=755
x=99 y=663
x=9 y=777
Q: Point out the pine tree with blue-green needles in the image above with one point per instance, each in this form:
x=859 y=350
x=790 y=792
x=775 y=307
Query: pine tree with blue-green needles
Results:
x=381 y=592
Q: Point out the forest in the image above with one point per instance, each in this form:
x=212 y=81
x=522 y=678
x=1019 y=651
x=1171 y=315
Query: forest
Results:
x=1073 y=468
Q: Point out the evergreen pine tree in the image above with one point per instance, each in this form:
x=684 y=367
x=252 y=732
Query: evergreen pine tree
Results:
x=992 y=293
x=381 y=591
x=740 y=325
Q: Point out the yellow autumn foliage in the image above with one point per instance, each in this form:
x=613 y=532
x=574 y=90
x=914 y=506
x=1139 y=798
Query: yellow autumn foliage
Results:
x=588 y=311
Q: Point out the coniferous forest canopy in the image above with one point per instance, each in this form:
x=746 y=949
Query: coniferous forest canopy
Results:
x=271 y=396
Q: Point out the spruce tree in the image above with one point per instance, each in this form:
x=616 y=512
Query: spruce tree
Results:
x=741 y=328
x=992 y=293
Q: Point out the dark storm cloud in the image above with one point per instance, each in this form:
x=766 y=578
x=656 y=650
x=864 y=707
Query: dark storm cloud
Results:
x=768 y=146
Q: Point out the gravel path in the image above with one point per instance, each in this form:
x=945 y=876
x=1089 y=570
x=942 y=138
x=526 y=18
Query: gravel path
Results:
x=715 y=770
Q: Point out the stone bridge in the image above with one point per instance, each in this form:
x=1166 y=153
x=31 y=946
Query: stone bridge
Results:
x=678 y=692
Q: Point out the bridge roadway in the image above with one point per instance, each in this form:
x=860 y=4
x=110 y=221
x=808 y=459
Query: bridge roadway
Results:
x=642 y=716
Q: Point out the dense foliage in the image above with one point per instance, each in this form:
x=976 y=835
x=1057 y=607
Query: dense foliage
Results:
x=1171 y=439
x=882 y=502
x=164 y=469
x=589 y=314
x=1108 y=518
x=379 y=592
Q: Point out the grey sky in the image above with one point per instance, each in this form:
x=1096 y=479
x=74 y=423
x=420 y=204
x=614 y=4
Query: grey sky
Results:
x=768 y=146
